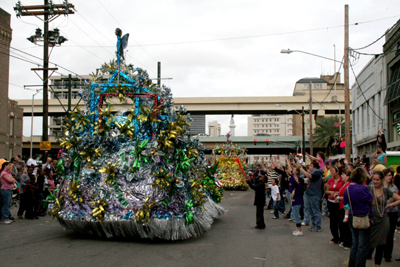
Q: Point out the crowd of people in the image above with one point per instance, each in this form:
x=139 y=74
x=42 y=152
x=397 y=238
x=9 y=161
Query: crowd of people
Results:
x=28 y=183
x=361 y=200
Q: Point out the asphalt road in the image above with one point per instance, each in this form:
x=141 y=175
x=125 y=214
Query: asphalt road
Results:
x=232 y=241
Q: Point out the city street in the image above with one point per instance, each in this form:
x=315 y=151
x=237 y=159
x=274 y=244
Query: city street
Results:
x=232 y=241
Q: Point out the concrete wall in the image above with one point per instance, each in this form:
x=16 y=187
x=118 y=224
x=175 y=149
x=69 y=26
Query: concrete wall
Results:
x=369 y=90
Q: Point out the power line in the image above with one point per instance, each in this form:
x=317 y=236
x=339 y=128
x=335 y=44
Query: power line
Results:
x=263 y=35
x=91 y=38
x=383 y=35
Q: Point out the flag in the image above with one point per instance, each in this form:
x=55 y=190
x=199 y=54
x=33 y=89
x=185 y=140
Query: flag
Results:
x=337 y=124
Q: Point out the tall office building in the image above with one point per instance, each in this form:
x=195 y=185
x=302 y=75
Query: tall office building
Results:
x=273 y=125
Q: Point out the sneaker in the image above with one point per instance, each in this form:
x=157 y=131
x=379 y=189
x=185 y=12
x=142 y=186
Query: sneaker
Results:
x=11 y=218
x=314 y=229
x=304 y=224
x=6 y=222
x=341 y=245
x=347 y=248
x=291 y=219
x=272 y=212
x=275 y=217
x=20 y=217
x=297 y=233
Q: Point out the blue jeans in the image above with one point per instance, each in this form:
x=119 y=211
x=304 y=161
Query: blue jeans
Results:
x=296 y=213
x=275 y=206
x=306 y=210
x=6 y=196
x=289 y=200
x=314 y=206
x=360 y=246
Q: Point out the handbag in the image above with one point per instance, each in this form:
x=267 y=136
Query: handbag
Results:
x=358 y=222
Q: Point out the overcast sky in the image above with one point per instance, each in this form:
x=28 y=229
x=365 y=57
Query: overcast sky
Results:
x=208 y=48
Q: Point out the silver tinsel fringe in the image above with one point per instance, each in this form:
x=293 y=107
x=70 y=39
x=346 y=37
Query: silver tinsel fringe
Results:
x=168 y=229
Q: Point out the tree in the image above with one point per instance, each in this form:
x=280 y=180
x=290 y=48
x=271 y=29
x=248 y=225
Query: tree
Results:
x=326 y=133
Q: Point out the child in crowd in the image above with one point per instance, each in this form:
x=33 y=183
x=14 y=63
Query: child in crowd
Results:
x=275 y=197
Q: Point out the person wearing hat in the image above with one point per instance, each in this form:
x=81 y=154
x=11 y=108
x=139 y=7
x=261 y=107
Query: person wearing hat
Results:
x=7 y=184
x=299 y=159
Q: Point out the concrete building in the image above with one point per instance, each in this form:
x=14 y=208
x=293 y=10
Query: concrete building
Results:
x=392 y=100
x=324 y=90
x=11 y=115
x=214 y=128
x=273 y=125
x=368 y=95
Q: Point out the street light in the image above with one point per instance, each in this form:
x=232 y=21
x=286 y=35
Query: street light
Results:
x=288 y=51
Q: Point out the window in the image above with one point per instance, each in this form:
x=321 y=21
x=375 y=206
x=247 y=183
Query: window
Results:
x=317 y=85
x=305 y=86
x=372 y=103
x=368 y=111
x=11 y=126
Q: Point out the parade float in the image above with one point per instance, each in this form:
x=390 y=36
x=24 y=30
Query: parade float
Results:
x=232 y=167
x=134 y=172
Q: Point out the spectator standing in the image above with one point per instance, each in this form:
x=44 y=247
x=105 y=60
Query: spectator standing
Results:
x=276 y=197
x=392 y=213
x=259 y=200
x=335 y=219
x=314 y=194
x=7 y=184
x=24 y=200
x=359 y=198
x=380 y=220
x=296 y=196
x=345 y=234
x=32 y=162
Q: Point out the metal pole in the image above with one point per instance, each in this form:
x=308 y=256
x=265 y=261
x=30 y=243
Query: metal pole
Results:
x=340 y=120
x=159 y=73
x=45 y=134
x=311 y=124
x=303 y=133
x=346 y=84
x=33 y=98
x=69 y=93
x=334 y=66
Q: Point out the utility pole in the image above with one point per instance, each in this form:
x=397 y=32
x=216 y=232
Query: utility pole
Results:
x=159 y=74
x=69 y=92
x=49 y=13
x=311 y=123
x=303 y=133
x=346 y=84
x=45 y=125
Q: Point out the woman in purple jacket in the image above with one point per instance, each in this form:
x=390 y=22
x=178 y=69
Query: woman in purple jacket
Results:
x=358 y=197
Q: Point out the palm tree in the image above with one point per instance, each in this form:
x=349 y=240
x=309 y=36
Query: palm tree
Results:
x=326 y=133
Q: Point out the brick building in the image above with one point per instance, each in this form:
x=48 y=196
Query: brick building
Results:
x=10 y=114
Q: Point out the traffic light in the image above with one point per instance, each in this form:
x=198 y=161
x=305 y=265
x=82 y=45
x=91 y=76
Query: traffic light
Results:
x=255 y=142
x=267 y=142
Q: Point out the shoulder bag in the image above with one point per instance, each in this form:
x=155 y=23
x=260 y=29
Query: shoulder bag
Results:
x=358 y=222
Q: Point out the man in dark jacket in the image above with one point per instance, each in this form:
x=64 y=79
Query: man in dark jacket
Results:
x=259 y=200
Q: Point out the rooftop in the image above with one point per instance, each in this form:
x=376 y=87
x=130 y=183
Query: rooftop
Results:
x=311 y=79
